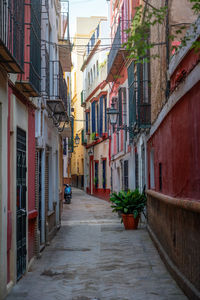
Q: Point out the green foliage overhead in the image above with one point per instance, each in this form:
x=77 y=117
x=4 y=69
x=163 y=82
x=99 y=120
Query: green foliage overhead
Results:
x=138 y=43
x=130 y=202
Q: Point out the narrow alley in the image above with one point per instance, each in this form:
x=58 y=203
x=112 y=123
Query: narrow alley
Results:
x=93 y=257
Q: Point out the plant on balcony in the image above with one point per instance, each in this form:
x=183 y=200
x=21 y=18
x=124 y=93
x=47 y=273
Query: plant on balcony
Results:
x=130 y=204
x=93 y=135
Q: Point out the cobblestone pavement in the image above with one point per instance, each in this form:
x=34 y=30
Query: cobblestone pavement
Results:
x=92 y=257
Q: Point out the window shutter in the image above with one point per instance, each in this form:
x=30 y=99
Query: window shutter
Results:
x=139 y=91
x=86 y=122
x=120 y=107
x=101 y=116
x=143 y=106
x=105 y=117
x=93 y=117
x=104 y=174
x=132 y=100
x=97 y=118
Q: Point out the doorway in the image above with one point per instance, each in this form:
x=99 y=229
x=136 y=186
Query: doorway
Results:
x=21 y=203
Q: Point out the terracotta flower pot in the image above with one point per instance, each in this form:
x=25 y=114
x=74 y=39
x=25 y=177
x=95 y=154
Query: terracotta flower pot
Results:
x=130 y=222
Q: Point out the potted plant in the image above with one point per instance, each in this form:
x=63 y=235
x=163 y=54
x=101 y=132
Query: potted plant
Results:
x=130 y=204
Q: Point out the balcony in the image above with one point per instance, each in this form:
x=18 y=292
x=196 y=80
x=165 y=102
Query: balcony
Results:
x=83 y=99
x=57 y=102
x=12 y=35
x=116 y=57
x=29 y=82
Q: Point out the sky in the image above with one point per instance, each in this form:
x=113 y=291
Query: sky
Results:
x=85 y=8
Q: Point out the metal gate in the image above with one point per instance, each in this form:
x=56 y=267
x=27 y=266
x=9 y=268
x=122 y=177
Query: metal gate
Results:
x=21 y=203
x=40 y=193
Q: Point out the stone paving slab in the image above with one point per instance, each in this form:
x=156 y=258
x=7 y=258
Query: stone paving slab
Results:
x=92 y=257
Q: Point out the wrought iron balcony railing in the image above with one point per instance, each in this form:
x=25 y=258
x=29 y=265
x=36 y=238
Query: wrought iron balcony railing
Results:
x=57 y=101
x=45 y=74
x=30 y=81
x=12 y=35
x=117 y=52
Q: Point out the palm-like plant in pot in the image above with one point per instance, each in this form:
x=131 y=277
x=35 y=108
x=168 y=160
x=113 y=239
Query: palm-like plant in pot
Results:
x=130 y=204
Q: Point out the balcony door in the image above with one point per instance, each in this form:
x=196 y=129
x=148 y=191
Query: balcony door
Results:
x=21 y=203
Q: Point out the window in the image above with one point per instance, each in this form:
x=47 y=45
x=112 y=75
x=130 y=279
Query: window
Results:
x=87 y=122
x=97 y=117
x=118 y=140
x=93 y=117
x=101 y=115
x=104 y=174
x=145 y=86
x=120 y=107
x=96 y=174
x=136 y=171
x=132 y=98
x=152 y=178
x=125 y=183
x=88 y=78
x=143 y=99
x=97 y=31
x=105 y=114
x=92 y=40
x=94 y=73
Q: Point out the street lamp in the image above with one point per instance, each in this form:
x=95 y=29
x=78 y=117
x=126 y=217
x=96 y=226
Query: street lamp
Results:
x=112 y=112
x=77 y=139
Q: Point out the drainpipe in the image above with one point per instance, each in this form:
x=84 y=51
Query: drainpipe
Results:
x=167 y=50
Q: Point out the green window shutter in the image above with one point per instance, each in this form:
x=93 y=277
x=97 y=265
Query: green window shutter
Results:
x=120 y=107
x=132 y=97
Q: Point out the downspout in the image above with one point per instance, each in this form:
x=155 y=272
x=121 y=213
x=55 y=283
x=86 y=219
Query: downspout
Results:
x=167 y=50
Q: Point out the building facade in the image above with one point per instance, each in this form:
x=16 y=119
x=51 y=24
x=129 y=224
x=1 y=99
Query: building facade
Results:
x=52 y=121
x=84 y=29
x=129 y=93
x=30 y=147
x=20 y=72
x=94 y=100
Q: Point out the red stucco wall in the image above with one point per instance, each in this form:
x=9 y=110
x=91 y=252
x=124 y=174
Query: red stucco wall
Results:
x=176 y=145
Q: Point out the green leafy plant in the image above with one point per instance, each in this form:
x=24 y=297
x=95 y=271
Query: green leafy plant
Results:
x=138 y=43
x=130 y=202
x=93 y=136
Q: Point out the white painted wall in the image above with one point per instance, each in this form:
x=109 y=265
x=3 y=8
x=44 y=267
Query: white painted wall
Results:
x=3 y=183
